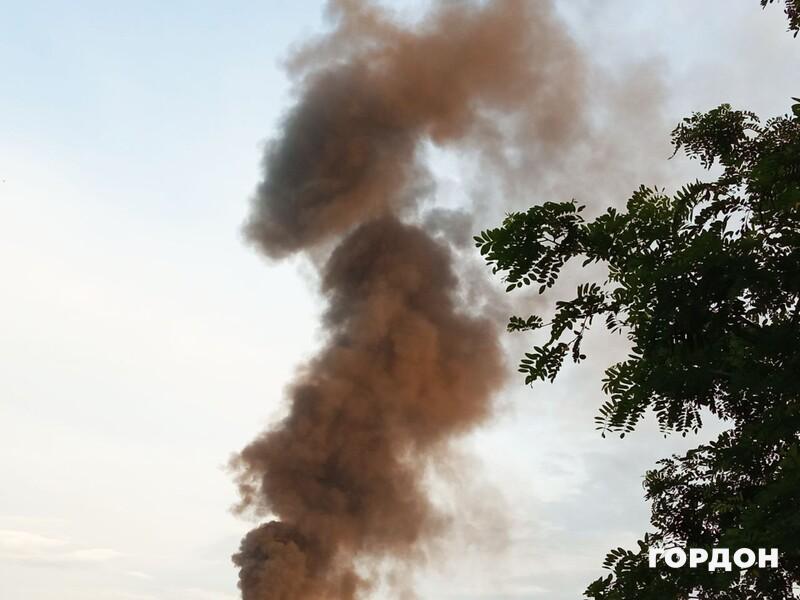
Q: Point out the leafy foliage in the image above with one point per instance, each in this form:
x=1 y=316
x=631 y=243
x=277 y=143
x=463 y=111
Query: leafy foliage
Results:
x=706 y=286
x=792 y=13
x=705 y=283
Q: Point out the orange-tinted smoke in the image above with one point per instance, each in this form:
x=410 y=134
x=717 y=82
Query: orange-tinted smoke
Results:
x=404 y=370
x=488 y=77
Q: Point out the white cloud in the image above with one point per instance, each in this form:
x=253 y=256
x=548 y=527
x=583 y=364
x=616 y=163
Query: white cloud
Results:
x=92 y=555
x=25 y=546
x=24 y=543
x=139 y=575
x=202 y=594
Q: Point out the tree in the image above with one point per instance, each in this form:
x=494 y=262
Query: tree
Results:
x=706 y=286
x=792 y=13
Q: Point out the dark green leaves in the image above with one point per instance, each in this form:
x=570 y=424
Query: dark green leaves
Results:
x=792 y=13
x=705 y=284
x=532 y=247
x=697 y=281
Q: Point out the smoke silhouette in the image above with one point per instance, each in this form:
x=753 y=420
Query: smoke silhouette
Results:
x=404 y=368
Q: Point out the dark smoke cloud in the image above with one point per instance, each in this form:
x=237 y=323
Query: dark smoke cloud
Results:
x=403 y=372
x=494 y=77
x=405 y=368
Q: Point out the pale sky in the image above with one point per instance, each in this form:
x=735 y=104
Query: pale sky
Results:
x=142 y=342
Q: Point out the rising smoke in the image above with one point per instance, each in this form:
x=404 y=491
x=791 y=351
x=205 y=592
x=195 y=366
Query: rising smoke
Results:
x=404 y=369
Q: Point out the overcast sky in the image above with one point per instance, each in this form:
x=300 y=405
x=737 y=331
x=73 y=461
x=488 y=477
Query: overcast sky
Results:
x=142 y=342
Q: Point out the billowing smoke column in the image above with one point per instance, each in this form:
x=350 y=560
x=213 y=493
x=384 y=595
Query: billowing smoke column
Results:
x=404 y=370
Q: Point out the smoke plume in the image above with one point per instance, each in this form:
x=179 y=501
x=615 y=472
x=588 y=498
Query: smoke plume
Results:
x=404 y=369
